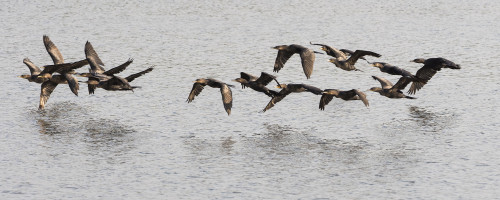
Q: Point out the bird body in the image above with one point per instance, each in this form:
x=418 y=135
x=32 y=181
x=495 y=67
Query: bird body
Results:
x=307 y=57
x=391 y=69
x=99 y=78
x=349 y=95
x=288 y=89
x=389 y=90
x=227 y=96
x=348 y=64
x=430 y=68
x=257 y=84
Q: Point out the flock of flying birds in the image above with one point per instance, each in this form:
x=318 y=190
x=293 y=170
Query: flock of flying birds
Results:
x=343 y=59
x=63 y=73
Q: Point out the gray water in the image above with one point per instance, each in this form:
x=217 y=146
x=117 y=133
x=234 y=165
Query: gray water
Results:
x=151 y=144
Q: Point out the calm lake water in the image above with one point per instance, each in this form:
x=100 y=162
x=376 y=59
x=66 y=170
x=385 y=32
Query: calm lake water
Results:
x=151 y=144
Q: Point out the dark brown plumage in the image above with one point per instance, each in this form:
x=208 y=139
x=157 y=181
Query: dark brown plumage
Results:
x=227 y=96
x=348 y=64
x=286 y=51
x=99 y=78
x=257 y=84
x=288 y=89
x=430 y=68
x=353 y=94
x=392 y=91
x=391 y=69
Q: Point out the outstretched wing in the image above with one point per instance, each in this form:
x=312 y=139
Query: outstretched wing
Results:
x=331 y=51
x=93 y=59
x=54 y=53
x=133 y=76
x=277 y=98
x=247 y=76
x=265 y=78
x=307 y=57
x=422 y=76
x=34 y=70
x=362 y=97
x=195 y=91
x=119 y=68
x=227 y=98
x=325 y=99
x=281 y=59
x=46 y=89
x=312 y=89
x=402 y=83
x=73 y=83
x=384 y=82
x=360 y=53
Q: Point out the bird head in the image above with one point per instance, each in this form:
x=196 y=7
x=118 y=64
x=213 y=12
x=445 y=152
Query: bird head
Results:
x=375 y=89
x=240 y=80
x=378 y=64
x=281 y=86
x=25 y=76
x=418 y=60
x=200 y=80
x=280 y=47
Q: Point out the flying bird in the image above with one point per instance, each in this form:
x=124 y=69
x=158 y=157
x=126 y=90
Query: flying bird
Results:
x=348 y=95
x=227 y=97
x=286 y=51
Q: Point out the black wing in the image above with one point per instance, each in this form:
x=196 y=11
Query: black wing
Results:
x=195 y=91
x=325 y=99
x=265 y=78
x=119 y=68
x=331 y=51
x=247 y=76
x=46 y=89
x=93 y=59
x=281 y=59
x=34 y=70
x=360 y=53
x=133 y=76
x=54 y=53
x=277 y=98
x=73 y=83
x=312 y=89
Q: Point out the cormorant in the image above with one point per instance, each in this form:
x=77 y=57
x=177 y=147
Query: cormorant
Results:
x=107 y=80
x=348 y=64
x=289 y=88
x=227 y=97
x=257 y=84
x=286 y=51
x=389 y=90
x=431 y=67
x=353 y=94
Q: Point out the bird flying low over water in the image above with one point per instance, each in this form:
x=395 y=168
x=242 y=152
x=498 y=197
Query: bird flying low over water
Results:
x=47 y=77
x=430 y=68
x=389 y=90
x=288 y=89
x=348 y=64
x=257 y=84
x=286 y=51
x=227 y=96
x=107 y=80
x=353 y=94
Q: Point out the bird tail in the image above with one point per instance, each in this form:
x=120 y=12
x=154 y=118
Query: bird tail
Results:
x=408 y=97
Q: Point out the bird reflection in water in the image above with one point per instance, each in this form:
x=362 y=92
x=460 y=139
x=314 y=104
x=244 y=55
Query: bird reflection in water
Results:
x=431 y=121
x=70 y=123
